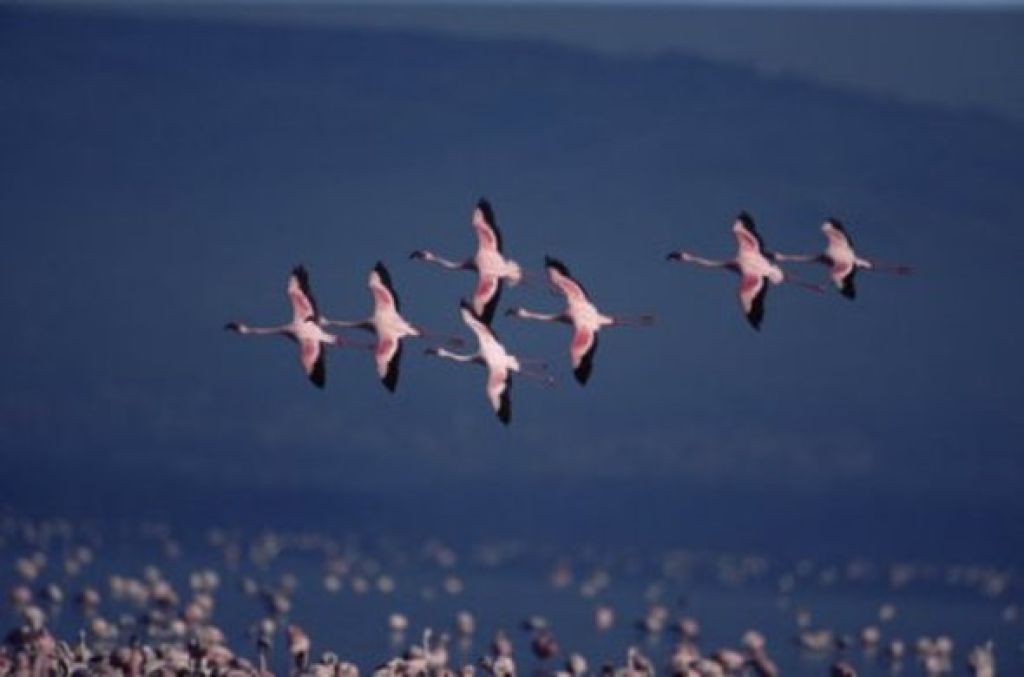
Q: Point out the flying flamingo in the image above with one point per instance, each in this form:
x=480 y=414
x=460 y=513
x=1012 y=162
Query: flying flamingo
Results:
x=387 y=323
x=489 y=262
x=499 y=362
x=754 y=265
x=582 y=314
x=304 y=328
x=841 y=259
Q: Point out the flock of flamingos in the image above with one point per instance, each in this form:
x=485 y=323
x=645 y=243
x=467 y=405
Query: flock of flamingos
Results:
x=757 y=267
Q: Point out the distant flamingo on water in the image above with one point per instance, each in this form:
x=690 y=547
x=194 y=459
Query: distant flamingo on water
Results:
x=582 y=314
x=304 y=328
x=841 y=259
x=754 y=265
x=499 y=362
x=489 y=262
x=388 y=325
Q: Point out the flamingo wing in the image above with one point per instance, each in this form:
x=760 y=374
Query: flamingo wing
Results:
x=388 y=355
x=384 y=294
x=314 y=361
x=559 y=275
x=301 y=296
x=746 y=241
x=842 y=275
x=487 y=234
x=476 y=324
x=498 y=393
x=582 y=351
x=486 y=297
x=753 y=289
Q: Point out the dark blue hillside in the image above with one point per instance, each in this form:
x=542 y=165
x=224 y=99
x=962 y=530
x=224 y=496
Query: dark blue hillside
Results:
x=159 y=177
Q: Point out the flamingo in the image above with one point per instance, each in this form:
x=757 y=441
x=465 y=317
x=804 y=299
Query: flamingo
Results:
x=499 y=362
x=388 y=325
x=582 y=314
x=841 y=259
x=489 y=262
x=754 y=265
x=304 y=328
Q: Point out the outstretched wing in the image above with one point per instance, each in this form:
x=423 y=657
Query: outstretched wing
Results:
x=582 y=351
x=486 y=297
x=498 y=393
x=301 y=296
x=388 y=355
x=842 y=275
x=314 y=361
x=753 y=289
x=384 y=294
x=747 y=237
x=559 y=275
x=486 y=227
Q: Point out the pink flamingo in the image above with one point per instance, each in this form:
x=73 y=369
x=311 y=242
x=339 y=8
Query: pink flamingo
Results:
x=489 y=262
x=582 y=314
x=388 y=325
x=304 y=328
x=841 y=259
x=754 y=265
x=499 y=362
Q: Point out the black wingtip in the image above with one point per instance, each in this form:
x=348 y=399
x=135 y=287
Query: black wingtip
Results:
x=385 y=277
x=586 y=366
x=231 y=326
x=552 y=262
x=488 y=212
x=849 y=287
x=390 y=379
x=318 y=375
x=756 y=314
x=467 y=306
x=504 y=412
